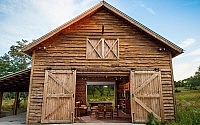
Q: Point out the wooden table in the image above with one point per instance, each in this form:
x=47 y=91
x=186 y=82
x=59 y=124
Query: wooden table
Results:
x=101 y=102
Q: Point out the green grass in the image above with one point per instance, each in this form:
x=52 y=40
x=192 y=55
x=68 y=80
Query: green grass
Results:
x=7 y=104
x=188 y=108
x=98 y=97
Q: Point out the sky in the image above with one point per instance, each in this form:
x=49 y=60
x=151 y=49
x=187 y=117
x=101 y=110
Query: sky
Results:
x=176 y=20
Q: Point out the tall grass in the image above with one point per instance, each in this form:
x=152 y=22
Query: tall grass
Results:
x=8 y=104
x=188 y=108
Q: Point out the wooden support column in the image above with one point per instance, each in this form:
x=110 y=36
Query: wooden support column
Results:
x=1 y=100
x=16 y=103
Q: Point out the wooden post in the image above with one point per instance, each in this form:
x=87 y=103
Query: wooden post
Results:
x=16 y=103
x=1 y=100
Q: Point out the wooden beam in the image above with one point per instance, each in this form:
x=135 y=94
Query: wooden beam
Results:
x=16 y=103
x=1 y=100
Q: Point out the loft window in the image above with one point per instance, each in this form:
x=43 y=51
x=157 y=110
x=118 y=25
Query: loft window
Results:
x=102 y=48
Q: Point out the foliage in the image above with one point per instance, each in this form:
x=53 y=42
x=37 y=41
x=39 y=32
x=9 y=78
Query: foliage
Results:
x=188 y=108
x=190 y=83
x=8 y=101
x=14 y=60
x=100 y=93
x=152 y=120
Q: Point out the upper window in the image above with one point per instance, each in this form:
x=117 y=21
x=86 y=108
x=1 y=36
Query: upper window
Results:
x=102 y=48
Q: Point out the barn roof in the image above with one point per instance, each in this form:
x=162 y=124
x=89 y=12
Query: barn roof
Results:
x=176 y=50
x=16 y=82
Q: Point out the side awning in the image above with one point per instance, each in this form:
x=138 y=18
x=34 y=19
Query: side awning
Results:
x=16 y=82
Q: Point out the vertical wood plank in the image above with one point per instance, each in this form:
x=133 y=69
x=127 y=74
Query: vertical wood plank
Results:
x=16 y=101
x=74 y=93
x=44 y=96
x=161 y=98
x=30 y=86
x=1 y=100
x=173 y=87
x=132 y=95
x=103 y=42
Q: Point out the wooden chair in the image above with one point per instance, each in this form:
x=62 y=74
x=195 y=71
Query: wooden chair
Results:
x=109 y=112
x=93 y=112
x=77 y=110
x=116 y=111
x=100 y=112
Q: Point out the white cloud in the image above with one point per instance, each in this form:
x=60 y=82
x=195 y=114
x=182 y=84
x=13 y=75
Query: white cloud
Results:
x=184 y=70
x=148 y=9
x=194 y=53
x=30 y=19
x=186 y=43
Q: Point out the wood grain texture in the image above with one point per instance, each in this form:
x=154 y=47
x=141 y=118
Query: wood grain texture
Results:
x=68 y=50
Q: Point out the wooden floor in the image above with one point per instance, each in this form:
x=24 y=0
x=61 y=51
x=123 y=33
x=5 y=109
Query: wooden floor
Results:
x=121 y=118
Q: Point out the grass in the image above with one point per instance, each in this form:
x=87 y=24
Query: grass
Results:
x=188 y=108
x=97 y=96
x=7 y=104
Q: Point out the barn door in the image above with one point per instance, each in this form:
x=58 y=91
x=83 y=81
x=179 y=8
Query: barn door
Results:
x=146 y=95
x=58 y=98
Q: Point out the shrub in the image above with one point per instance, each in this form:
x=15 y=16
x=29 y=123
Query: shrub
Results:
x=152 y=120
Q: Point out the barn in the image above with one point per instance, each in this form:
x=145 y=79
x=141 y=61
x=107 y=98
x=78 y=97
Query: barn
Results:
x=102 y=45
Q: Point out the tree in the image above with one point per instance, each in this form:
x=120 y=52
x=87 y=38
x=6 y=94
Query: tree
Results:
x=14 y=60
x=198 y=71
x=100 y=88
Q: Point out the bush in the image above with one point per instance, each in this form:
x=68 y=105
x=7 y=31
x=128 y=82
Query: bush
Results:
x=152 y=120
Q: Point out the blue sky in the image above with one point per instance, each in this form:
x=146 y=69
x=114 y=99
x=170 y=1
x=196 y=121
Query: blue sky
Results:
x=176 y=20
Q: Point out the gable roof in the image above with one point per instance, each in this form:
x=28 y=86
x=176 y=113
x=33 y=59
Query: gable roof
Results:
x=176 y=49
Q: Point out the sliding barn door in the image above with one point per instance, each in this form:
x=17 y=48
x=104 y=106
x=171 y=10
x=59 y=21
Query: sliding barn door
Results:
x=146 y=95
x=59 y=96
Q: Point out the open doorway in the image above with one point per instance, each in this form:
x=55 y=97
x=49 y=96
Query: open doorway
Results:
x=103 y=99
x=100 y=93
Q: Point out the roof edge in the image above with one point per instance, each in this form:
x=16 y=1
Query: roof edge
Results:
x=144 y=28
x=63 y=26
x=15 y=73
x=177 y=49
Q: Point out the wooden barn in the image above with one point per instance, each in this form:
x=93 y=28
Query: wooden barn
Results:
x=102 y=45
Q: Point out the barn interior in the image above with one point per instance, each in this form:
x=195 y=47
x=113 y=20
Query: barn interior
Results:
x=112 y=106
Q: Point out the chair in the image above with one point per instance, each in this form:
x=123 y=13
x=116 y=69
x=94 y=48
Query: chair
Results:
x=109 y=112
x=77 y=110
x=93 y=111
x=100 y=112
x=83 y=110
x=116 y=111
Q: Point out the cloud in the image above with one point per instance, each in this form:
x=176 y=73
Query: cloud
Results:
x=186 y=43
x=184 y=70
x=30 y=19
x=194 y=53
x=148 y=9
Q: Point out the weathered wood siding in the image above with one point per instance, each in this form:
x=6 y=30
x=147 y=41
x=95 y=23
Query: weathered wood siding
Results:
x=68 y=50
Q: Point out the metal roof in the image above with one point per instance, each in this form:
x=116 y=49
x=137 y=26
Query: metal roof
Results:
x=176 y=49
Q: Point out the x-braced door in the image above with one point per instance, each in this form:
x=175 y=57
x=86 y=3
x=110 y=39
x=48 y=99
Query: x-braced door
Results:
x=59 y=96
x=146 y=95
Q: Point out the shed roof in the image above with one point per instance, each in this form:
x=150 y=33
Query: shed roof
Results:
x=16 y=82
x=176 y=50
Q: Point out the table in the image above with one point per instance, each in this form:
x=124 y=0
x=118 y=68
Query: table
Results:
x=100 y=102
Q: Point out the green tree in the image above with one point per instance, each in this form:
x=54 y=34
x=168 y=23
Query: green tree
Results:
x=14 y=60
x=198 y=71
